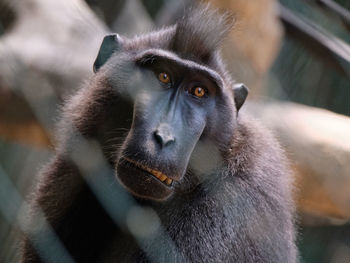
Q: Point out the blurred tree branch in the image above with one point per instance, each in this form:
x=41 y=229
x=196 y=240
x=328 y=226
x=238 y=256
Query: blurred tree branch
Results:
x=317 y=142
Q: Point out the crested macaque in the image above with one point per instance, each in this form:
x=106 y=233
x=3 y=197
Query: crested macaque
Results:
x=165 y=115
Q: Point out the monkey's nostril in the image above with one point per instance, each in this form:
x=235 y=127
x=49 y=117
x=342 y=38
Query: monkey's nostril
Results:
x=163 y=138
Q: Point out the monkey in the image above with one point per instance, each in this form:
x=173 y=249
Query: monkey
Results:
x=165 y=117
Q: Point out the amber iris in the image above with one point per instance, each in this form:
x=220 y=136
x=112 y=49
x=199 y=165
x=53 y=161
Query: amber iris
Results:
x=164 y=77
x=198 y=92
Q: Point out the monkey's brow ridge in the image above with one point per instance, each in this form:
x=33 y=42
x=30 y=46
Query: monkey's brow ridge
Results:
x=152 y=54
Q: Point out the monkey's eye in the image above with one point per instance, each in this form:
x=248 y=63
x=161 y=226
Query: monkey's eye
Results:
x=164 y=78
x=197 y=91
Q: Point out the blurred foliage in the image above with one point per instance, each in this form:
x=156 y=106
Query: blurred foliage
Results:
x=344 y=3
x=313 y=12
x=7 y=17
x=106 y=10
x=153 y=6
x=325 y=244
x=302 y=77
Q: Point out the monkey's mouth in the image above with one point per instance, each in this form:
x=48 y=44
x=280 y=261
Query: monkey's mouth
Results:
x=143 y=181
x=157 y=174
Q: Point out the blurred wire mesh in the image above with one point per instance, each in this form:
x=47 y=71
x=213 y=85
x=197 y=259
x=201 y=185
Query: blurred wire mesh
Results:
x=47 y=49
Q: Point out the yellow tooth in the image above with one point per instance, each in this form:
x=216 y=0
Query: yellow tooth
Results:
x=163 y=177
x=155 y=173
x=168 y=181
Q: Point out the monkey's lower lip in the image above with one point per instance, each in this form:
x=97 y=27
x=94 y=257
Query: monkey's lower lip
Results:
x=157 y=174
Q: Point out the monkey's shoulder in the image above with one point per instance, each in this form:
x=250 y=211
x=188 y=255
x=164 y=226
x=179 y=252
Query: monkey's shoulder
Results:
x=257 y=149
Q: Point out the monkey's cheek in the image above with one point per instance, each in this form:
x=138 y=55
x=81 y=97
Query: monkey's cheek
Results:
x=142 y=184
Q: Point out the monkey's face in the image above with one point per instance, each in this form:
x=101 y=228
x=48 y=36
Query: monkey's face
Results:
x=183 y=115
x=173 y=104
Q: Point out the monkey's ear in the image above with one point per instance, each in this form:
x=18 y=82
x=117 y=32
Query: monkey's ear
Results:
x=109 y=45
x=240 y=93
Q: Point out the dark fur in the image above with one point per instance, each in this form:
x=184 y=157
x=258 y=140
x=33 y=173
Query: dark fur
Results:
x=241 y=213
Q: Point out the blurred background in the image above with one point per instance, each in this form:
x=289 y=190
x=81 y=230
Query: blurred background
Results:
x=294 y=55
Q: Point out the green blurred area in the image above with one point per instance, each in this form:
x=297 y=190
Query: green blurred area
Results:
x=344 y=3
x=300 y=76
x=324 y=244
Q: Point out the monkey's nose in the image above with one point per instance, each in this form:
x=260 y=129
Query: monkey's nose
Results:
x=164 y=136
